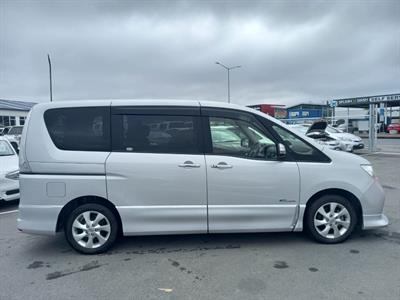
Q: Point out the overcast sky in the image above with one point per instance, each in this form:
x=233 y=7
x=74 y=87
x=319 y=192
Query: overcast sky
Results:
x=290 y=51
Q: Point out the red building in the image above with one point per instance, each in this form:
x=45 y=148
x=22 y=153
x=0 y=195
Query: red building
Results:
x=274 y=110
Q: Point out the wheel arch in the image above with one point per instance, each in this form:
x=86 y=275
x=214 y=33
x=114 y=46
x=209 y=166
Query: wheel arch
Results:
x=71 y=205
x=340 y=192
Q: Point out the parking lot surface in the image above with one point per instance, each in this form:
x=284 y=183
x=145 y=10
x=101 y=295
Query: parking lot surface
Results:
x=226 y=266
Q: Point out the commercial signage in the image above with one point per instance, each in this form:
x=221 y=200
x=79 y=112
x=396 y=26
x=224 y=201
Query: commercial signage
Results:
x=367 y=100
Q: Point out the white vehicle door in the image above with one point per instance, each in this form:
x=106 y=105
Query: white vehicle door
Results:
x=249 y=188
x=156 y=172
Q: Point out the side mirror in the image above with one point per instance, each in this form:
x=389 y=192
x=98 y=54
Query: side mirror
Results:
x=281 y=150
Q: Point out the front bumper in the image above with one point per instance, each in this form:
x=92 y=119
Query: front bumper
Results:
x=372 y=202
x=9 y=189
x=359 y=145
x=375 y=221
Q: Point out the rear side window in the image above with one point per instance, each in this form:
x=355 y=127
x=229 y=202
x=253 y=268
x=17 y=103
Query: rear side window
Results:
x=79 y=128
x=156 y=134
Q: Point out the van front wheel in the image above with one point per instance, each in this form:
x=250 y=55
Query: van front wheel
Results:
x=331 y=219
x=91 y=228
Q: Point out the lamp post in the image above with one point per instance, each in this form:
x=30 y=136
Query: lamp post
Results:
x=51 y=85
x=228 y=69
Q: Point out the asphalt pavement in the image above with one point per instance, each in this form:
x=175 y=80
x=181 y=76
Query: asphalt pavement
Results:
x=221 y=266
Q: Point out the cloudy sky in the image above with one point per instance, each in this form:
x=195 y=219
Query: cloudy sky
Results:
x=290 y=51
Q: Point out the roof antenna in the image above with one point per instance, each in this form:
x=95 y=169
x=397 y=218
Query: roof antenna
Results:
x=51 y=85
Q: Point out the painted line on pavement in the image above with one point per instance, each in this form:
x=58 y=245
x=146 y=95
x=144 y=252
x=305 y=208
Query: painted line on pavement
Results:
x=8 y=212
x=388 y=153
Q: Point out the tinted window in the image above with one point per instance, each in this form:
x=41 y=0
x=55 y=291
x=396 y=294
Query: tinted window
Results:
x=79 y=128
x=240 y=138
x=156 y=134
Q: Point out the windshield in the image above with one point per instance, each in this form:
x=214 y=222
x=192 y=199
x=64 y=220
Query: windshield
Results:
x=330 y=129
x=301 y=128
x=15 y=130
x=5 y=149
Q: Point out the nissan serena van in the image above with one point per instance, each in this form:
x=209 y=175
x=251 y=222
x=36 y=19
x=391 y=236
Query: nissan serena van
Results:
x=99 y=169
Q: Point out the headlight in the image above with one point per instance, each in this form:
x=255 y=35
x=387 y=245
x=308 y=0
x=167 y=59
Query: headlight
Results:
x=14 y=175
x=368 y=169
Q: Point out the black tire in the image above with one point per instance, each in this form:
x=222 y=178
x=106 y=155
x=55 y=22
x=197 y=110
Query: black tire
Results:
x=312 y=211
x=93 y=207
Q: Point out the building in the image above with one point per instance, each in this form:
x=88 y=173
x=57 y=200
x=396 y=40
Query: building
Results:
x=308 y=110
x=14 y=112
x=274 y=110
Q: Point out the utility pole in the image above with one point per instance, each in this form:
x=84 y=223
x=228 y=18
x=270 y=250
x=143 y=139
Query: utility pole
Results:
x=229 y=85
x=51 y=84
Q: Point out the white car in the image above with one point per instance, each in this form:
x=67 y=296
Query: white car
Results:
x=331 y=143
x=333 y=137
x=9 y=184
x=94 y=170
x=349 y=141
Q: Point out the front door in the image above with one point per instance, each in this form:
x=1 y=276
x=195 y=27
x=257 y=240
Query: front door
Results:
x=249 y=189
x=156 y=173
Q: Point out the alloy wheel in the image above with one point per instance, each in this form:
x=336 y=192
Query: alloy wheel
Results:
x=332 y=220
x=91 y=229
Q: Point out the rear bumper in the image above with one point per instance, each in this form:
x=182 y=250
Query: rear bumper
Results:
x=38 y=219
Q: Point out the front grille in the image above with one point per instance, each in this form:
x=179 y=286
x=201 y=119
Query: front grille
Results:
x=12 y=192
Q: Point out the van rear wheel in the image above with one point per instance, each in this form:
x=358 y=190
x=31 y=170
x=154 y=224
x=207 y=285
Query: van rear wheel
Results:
x=331 y=219
x=91 y=228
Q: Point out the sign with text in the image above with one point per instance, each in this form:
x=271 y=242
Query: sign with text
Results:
x=367 y=100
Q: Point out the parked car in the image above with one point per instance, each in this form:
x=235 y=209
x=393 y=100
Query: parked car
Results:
x=14 y=132
x=347 y=128
x=393 y=128
x=349 y=141
x=333 y=137
x=92 y=170
x=322 y=139
x=9 y=174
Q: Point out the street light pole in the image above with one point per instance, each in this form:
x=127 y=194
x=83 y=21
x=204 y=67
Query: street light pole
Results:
x=228 y=70
x=51 y=85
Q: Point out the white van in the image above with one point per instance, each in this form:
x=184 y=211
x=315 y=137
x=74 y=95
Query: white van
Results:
x=97 y=169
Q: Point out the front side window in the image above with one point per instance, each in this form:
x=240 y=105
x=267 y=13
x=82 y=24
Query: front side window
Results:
x=156 y=134
x=240 y=138
x=300 y=150
x=79 y=128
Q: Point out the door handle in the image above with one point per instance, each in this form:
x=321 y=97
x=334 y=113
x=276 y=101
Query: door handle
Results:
x=189 y=164
x=222 y=165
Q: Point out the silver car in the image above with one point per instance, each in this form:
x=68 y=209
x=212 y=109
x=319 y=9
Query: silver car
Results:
x=98 y=169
